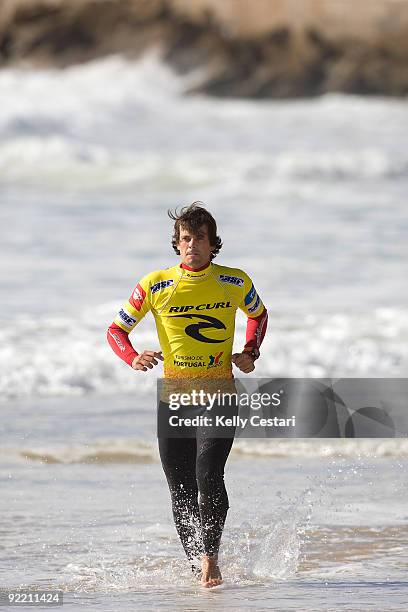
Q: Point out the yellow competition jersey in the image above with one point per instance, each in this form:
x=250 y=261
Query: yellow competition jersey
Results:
x=195 y=316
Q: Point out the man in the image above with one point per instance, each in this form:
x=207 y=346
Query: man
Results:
x=194 y=305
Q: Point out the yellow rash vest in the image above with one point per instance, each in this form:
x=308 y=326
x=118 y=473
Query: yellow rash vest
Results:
x=194 y=311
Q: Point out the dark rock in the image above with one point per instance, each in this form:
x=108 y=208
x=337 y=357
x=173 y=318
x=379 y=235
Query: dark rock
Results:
x=278 y=63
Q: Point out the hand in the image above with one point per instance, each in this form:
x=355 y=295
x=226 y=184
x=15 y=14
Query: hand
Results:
x=244 y=361
x=146 y=360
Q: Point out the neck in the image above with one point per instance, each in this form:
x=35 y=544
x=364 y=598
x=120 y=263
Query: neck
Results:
x=186 y=267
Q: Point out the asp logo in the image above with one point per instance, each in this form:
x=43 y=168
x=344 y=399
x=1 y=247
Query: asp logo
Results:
x=206 y=323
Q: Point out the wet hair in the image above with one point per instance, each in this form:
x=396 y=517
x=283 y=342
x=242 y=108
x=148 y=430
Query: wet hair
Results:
x=192 y=218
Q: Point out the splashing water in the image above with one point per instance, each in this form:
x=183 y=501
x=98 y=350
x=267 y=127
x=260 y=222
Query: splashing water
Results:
x=268 y=547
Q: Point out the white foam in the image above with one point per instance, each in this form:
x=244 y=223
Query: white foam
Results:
x=60 y=127
x=362 y=345
x=59 y=161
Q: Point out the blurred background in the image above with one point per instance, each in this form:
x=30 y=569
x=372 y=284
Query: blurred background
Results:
x=288 y=119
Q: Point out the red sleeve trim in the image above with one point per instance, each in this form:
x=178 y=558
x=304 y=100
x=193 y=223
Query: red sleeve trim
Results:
x=255 y=331
x=119 y=341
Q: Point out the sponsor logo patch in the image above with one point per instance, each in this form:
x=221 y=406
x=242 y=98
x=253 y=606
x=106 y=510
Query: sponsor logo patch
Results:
x=255 y=306
x=207 y=323
x=250 y=295
x=161 y=285
x=215 y=361
x=233 y=280
x=118 y=342
x=139 y=295
x=126 y=318
x=200 y=307
x=188 y=364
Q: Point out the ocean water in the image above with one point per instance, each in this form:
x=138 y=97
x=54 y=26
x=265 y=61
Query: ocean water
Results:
x=313 y=524
x=310 y=199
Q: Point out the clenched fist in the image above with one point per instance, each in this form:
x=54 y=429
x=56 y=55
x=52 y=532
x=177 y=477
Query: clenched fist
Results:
x=244 y=361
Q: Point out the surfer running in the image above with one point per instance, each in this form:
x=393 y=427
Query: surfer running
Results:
x=194 y=305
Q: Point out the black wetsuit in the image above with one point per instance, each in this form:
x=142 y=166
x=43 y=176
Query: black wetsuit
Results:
x=194 y=468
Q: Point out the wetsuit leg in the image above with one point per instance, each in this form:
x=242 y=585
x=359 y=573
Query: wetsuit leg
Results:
x=212 y=454
x=178 y=457
x=195 y=466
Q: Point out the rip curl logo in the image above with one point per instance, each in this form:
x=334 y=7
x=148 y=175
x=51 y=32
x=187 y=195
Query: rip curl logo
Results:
x=215 y=360
x=207 y=323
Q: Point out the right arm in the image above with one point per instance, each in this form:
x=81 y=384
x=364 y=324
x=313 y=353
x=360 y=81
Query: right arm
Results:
x=131 y=313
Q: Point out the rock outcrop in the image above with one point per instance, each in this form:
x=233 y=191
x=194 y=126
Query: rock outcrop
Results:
x=245 y=48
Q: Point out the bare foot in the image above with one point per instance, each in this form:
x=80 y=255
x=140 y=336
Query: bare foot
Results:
x=211 y=575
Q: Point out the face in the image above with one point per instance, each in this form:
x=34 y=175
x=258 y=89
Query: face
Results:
x=195 y=249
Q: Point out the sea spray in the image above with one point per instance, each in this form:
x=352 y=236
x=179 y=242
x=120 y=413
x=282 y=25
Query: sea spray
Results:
x=269 y=546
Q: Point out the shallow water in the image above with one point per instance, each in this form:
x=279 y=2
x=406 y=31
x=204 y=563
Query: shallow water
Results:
x=85 y=508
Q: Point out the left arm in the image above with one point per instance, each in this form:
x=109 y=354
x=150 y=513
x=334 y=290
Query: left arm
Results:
x=256 y=328
x=255 y=333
